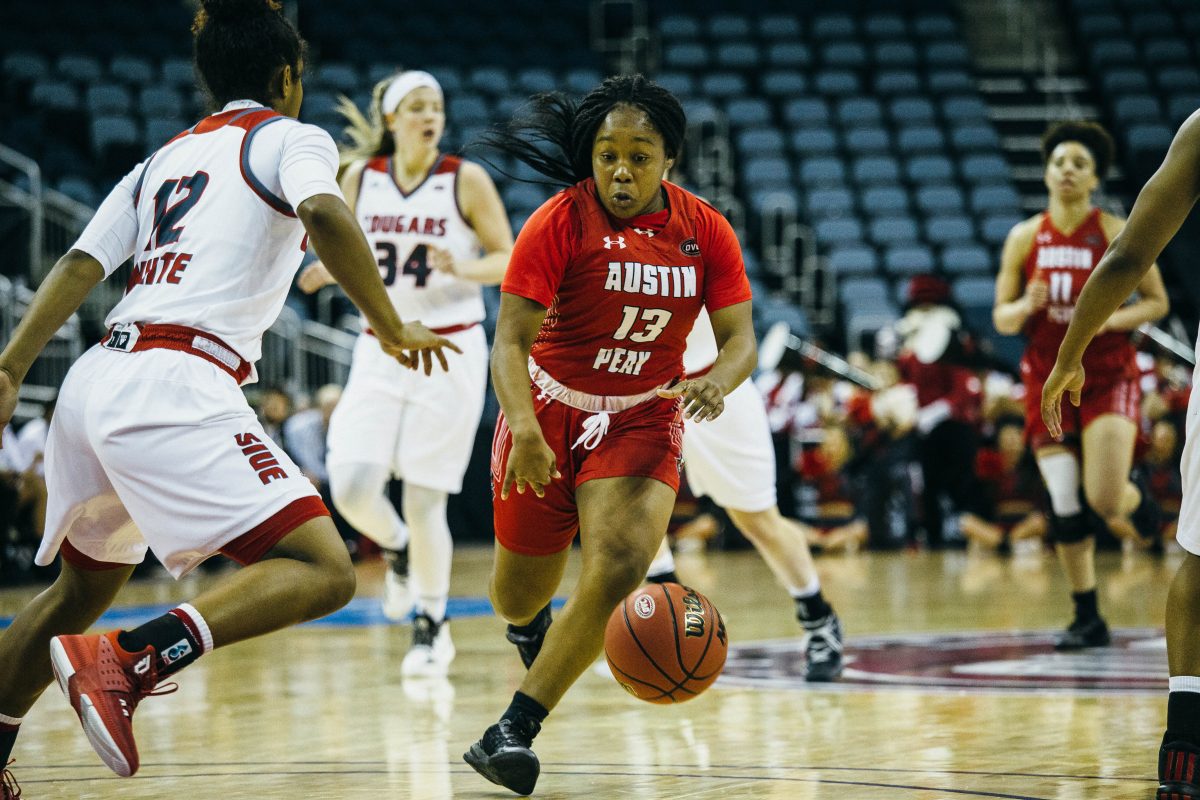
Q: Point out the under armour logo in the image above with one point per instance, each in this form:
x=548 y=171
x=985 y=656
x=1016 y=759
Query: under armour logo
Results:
x=647 y=232
x=610 y=243
x=1044 y=237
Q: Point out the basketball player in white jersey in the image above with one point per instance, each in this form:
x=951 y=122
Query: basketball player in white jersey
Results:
x=153 y=445
x=440 y=232
x=732 y=460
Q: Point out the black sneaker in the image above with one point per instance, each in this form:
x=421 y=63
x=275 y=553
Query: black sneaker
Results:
x=1178 y=771
x=504 y=757
x=529 y=638
x=1092 y=633
x=1147 y=518
x=823 y=651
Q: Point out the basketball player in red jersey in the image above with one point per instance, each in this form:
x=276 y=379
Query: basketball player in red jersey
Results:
x=604 y=284
x=1160 y=210
x=1045 y=263
x=153 y=445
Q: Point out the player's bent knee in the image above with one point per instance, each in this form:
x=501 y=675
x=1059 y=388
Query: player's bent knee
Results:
x=618 y=574
x=1106 y=506
x=342 y=585
x=1070 y=529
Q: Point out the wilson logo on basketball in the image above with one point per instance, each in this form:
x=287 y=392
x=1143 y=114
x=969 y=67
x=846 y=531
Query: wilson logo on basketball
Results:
x=693 y=618
x=644 y=606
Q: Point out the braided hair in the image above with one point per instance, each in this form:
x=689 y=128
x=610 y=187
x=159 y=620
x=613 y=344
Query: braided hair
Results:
x=555 y=135
x=239 y=47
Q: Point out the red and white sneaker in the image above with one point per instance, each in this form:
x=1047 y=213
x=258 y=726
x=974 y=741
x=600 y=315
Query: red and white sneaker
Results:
x=104 y=684
x=9 y=788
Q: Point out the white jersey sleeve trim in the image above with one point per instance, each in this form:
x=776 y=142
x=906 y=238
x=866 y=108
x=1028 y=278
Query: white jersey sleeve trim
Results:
x=111 y=236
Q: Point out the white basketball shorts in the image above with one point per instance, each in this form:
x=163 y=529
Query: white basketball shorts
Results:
x=159 y=449
x=731 y=458
x=421 y=427
x=1188 y=531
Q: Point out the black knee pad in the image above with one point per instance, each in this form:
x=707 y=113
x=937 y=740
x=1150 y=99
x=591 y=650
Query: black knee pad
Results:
x=1072 y=529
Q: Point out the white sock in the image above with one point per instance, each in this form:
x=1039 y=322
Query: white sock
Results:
x=664 y=562
x=360 y=495
x=1060 y=472
x=13 y=722
x=206 y=637
x=430 y=549
x=806 y=591
x=1184 y=683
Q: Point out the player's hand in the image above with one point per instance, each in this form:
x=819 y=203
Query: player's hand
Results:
x=439 y=259
x=1063 y=378
x=314 y=277
x=702 y=399
x=417 y=347
x=8 y=398
x=1037 y=294
x=531 y=464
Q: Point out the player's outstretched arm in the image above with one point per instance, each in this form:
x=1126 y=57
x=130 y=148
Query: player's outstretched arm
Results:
x=343 y=249
x=59 y=296
x=1159 y=211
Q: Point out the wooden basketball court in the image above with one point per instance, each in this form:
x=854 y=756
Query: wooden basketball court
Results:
x=321 y=711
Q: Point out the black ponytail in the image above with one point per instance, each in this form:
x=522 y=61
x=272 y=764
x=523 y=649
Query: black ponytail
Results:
x=556 y=134
x=239 y=46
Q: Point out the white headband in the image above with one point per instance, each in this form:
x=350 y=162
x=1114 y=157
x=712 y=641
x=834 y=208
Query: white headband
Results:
x=404 y=83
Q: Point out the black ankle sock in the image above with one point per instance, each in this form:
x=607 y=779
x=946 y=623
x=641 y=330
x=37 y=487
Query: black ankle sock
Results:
x=812 y=607
x=174 y=643
x=534 y=625
x=665 y=577
x=1085 y=605
x=1183 y=717
x=524 y=710
x=8 y=737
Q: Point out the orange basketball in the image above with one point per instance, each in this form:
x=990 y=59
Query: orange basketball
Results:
x=665 y=643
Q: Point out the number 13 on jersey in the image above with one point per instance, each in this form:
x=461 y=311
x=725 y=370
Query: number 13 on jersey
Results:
x=653 y=321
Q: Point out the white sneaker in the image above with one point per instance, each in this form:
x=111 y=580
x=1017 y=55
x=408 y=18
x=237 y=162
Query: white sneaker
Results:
x=432 y=649
x=397 y=597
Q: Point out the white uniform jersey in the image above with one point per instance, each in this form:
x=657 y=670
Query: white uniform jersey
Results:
x=211 y=228
x=400 y=226
x=700 y=351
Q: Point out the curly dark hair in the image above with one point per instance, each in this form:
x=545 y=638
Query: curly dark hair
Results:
x=1091 y=135
x=239 y=47
x=569 y=127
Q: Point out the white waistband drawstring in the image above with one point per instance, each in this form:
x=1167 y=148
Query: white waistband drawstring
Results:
x=594 y=428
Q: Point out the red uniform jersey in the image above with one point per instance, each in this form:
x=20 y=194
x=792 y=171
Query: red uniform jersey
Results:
x=1064 y=263
x=622 y=298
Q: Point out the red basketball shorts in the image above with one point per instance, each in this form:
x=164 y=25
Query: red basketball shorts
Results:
x=1100 y=397
x=642 y=441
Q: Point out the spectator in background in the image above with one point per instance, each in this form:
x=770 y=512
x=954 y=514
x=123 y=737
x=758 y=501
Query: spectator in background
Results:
x=22 y=491
x=274 y=407
x=305 y=434
x=1161 y=465
x=829 y=511
x=32 y=436
x=1011 y=497
x=933 y=359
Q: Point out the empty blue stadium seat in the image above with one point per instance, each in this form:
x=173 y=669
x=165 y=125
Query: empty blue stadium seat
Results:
x=79 y=189
x=784 y=83
x=909 y=110
x=132 y=69
x=967 y=258
x=861 y=141
x=822 y=172
x=773 y=310
x=789 y=54
x=995 y=227
x=855 y=111
x=451 y=79
x=935 y=26
x=760 y=173
x=985 y=168
x=177 y=72
x=535 y=79
x=1172 y=51
x=839 y=231
x=895 y=54
x=920 y=139
x=774 y=199
x=506 y=107
x=723 y=85
x=1179 y=79
x=949 y=229
x=995 y=200
x=1150 y=23
x=78 y=67
x=880 y=201
x=1124 y=81
x=160 y=101
x=927 y=169
x=779 y=26
x=1181 y=106
x=814 y=141
x=160 y=130
x=876 y=171
x=466 y=109
x=885 y=26
x=947 y=54
x=896 y=81
x=340 y=77
x=945 y=81
x=24 y=66
x=1136 y=108
x=680 y=84
x=971 y=137
x=894 y=231
x=760 y=142
x=738 y=55
x=582 y=80
x=977 y=292
x=521 y=197
x=748 y=112
x=55 y=95
x=492 y=81
x=1107 y=53
x=839 y=83
x=1148 y=141
x=934 y=200
x=853 y=260
x=806 y=112
x=870 y=289
x=1095 y=26
x=908 y=260
x=110 y=132
x=729 y=26
x=830 y=201
x=844 y=55
x=964 y=108
x=677 y=26
x=102 y=99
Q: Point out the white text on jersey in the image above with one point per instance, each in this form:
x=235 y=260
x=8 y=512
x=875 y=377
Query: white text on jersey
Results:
x=429 y=226
x=634 y=278
x=1064 y=257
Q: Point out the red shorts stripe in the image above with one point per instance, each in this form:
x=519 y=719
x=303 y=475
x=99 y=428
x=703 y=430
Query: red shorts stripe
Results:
x=250 y=547
x=76 y=559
